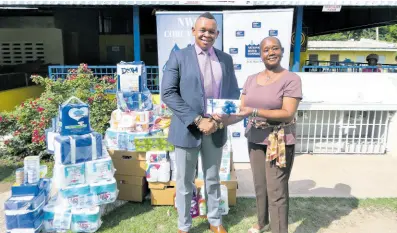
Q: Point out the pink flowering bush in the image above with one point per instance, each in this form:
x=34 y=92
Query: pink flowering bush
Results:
x=27 y=123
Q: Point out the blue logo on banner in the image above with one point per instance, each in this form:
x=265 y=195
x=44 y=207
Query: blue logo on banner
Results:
x=240 y=33
x=256 y=24
x=237 y=66
x=253 y=50
x=233 y=50
x=175 y=48
x=236 y=134
x=245 y=122
x=273 y=32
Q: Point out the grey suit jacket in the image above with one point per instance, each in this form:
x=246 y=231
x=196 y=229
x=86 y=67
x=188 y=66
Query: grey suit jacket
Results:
x=182 y=91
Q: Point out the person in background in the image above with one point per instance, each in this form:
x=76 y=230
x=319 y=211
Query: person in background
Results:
x=372 y=60
x=270 y=99
x=191 y=76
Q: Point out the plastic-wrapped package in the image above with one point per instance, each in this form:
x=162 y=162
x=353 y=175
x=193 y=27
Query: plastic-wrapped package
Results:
x=69 y=175
x=25 y=202
x=78 y=196
x=99 y=170
x=158 y=172
x=104 y=192
x=86 y=220
x=74 y=117
x=153 y=143
x=78 y=148
x=24 y=218
x=111 y=139
x=31 y=189
x=134 y=101
x=56 y=218
x=31 y=169
x=132 y=76
x=26 y=230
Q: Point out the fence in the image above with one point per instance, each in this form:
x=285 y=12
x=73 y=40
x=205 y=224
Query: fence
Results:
x=348 y=132
x=318 y=131
x=55 y=72
x=347 y=68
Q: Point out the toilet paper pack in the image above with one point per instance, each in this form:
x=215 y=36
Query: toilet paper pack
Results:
x=104 y=192
x=99 y=170
x=78 y=196
x=86 y=220
x=158 y=172
x=69 y=175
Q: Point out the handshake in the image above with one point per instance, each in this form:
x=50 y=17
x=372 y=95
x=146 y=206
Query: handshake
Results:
x=210 y=125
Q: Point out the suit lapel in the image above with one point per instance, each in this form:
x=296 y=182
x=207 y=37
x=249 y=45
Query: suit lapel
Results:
x=223 y=66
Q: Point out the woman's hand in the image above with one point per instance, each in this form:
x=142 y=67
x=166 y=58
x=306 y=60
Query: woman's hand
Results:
x=244 y=112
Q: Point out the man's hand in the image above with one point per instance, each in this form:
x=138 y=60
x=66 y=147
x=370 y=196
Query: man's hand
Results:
x=207 y=126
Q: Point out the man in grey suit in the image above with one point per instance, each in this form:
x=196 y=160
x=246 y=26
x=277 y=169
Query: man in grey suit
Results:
x=191 y=76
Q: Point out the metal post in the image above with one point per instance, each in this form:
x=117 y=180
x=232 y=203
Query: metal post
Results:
x=297 y=42
x=137 y=34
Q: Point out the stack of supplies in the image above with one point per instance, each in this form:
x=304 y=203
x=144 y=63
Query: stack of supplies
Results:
x=83 y=172
x=24 y=209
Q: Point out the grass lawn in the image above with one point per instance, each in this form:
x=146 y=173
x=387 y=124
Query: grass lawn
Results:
x=7 y=170
x=307 y=215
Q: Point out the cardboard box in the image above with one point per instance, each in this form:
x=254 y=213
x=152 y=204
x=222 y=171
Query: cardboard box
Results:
x=132 y=188
x=129 y=163
x=162 y=193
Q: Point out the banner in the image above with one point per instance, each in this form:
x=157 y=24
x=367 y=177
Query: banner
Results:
x=174 y=32
x=243 y=32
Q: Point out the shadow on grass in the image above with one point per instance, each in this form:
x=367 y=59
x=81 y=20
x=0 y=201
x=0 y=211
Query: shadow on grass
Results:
x=236 y=220
x=315 y=213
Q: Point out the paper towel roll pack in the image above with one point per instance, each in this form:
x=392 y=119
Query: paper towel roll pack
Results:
x=69 y=175
x=134 y=101
x=158 y=172
x=104 y=192
x=99 y=170
x=74 y=117
x=153 y=143
x=116 y=140
x=78 y=148
x=86 y=220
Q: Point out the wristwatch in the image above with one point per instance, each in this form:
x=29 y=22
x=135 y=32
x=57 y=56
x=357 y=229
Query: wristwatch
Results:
x=197 y=120
x=220 y=125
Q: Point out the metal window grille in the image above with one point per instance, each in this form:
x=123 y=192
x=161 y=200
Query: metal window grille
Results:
x=56 y=72
x=347 y=132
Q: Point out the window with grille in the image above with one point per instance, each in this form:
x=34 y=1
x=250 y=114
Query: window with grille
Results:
x=12 y=53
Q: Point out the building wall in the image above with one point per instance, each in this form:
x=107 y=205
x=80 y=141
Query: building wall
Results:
x=352 y=55
x=11 y=98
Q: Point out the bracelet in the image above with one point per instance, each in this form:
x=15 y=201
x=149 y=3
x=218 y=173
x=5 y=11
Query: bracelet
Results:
x=255 y=112
x=197 y=120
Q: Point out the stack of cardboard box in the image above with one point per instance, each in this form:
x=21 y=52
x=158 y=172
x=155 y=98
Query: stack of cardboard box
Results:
x=130 y=174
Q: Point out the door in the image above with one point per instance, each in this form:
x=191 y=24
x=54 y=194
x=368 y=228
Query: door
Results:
x=115 y=54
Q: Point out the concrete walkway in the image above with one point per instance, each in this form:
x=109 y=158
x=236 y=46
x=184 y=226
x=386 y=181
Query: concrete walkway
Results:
x=360 y=176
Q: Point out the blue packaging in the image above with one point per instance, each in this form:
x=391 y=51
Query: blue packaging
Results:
x=122 y=140
x=56 y=219
x=25 y=202
x=78 y=148
x=131 y=137
x=74 y=117
x=29 y=230
x=135 y=101
x=24 y=218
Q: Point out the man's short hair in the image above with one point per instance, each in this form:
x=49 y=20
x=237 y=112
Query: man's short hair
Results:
x=207 y=15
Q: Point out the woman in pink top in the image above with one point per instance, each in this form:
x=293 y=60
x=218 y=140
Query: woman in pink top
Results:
x=270 y=99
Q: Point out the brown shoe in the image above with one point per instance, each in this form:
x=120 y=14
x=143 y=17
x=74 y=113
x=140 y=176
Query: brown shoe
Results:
x=218 y=229
x=179 y=231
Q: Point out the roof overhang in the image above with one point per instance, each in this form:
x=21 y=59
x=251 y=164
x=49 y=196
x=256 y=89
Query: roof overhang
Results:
x=205 y=2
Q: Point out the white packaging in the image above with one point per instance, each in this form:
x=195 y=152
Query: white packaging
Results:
x=78 y=196
x=56 y=218
x=86 y=220
x=224 y=203
x=158 y=172
x=69 y=175
x=99 y=170
x=32 y=169
x=104 y=192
